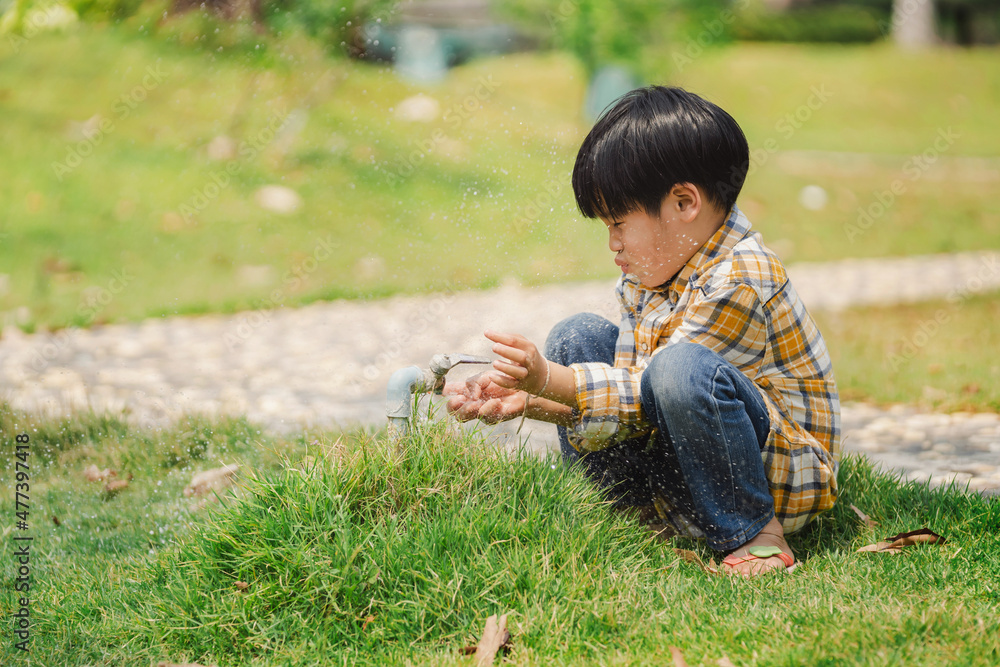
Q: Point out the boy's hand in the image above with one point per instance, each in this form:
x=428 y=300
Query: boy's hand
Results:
x=522 y=367
x=480 y=397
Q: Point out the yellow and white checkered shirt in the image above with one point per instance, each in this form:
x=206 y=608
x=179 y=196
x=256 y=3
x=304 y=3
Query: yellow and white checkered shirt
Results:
x=735 y=298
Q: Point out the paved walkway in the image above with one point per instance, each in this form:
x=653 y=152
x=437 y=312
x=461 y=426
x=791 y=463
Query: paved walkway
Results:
x=327 y=364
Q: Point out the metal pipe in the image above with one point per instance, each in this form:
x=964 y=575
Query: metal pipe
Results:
x=399 y=398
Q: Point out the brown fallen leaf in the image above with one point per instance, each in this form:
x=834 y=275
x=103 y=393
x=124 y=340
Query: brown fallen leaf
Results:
x=206 y=481
x=881 y=547
x=114 y=487
x=368 y=619
x=241 y=585
x=920 y=536
x=692 y=557
x=895 y=544
x=495 y=635
x=56 y=521
x=867 y=520
x=679 y=660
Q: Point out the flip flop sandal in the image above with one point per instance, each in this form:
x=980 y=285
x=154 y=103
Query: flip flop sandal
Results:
x=761 y=553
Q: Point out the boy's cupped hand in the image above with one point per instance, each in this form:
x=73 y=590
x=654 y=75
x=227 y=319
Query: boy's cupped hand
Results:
x=480 y=397
x=498 y=395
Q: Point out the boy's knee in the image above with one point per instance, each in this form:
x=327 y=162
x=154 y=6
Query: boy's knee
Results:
x=678 y=375
x=573 y=331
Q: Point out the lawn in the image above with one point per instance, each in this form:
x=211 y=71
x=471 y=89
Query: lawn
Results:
x=363 y=553
x=939 y=354
x=136 y=220
x=356 y=552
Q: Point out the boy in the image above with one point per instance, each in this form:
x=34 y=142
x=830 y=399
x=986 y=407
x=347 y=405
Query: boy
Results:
x=713 y=401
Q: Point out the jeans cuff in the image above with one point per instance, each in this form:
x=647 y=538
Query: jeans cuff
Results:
x=743 y=536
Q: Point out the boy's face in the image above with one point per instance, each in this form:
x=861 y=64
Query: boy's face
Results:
x=653 y=249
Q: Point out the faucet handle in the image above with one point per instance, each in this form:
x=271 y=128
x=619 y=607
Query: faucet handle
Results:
x=442 y=363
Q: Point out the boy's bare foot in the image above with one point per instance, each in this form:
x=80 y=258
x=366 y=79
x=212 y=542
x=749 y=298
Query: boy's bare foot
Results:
x=771 y=536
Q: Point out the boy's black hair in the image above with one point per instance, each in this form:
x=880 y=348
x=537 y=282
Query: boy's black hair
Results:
x=652 y=139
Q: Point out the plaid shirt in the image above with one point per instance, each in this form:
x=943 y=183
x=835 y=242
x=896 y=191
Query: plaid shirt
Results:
x=733 y=297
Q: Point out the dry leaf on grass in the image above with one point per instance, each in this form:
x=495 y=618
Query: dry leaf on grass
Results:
x=114 y=487
x=867 y=520
x=495 y=636
x=895 y=544
x=692 y=557
x=241 y=585
x=94 y=474
x=206 y=481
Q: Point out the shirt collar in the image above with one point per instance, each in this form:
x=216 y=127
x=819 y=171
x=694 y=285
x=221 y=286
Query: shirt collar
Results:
x=728 y=235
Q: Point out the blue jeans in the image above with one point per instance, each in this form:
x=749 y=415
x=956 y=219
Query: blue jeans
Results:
x=711 y=427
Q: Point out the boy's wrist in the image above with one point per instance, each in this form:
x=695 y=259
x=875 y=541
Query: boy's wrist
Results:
x=560 y=385
x=548 y=376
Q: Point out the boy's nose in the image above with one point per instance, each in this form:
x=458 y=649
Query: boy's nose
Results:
x=614 y=244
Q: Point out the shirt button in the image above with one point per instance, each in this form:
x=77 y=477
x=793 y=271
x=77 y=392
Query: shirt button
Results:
x=644 y=347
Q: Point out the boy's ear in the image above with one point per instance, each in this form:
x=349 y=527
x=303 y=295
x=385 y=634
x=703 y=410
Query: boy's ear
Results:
x=683 y=202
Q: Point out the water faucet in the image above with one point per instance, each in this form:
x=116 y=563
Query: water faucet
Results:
x=407 y=381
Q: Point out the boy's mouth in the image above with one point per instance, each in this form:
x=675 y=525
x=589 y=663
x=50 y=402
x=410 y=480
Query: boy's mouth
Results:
x=622 y=265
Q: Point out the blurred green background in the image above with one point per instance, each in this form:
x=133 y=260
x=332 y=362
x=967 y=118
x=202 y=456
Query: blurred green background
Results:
x=165 y=158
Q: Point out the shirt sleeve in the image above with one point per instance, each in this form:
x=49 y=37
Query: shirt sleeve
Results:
x=608 y=400
x=607 y=396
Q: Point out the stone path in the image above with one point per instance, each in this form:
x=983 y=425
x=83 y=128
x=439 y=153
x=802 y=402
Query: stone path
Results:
x=327 y=364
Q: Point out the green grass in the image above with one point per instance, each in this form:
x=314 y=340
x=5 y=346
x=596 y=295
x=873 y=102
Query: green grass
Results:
x=371 y=555
x=939 y=354
x=490 y=201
